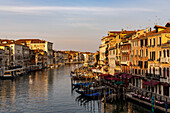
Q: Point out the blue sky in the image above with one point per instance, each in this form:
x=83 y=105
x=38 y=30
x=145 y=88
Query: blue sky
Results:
x=77 y=24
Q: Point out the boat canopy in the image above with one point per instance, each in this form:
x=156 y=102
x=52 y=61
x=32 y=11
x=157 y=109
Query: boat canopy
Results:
x=111 y=78
x=120 y=82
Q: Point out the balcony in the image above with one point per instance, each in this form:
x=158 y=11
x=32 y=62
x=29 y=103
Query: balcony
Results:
x=165 y=79
x=125 y=63
x=153 y=76
x=165 y=60
x=125 y=51
x=125 y=41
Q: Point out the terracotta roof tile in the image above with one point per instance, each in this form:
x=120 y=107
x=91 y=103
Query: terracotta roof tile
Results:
x=32 y=40
x=117 y=32
x=158 y=26
x=128 y=32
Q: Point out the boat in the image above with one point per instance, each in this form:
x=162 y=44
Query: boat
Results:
x=8 y=74
x=35 y=68
x=98 y=94
x=19 y=71
x=94 y=93
x=78 y=85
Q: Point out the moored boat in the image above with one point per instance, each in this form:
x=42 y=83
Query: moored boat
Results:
x=9 y=74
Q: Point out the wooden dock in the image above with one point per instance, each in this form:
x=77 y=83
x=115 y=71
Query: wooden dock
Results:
x=129 y=96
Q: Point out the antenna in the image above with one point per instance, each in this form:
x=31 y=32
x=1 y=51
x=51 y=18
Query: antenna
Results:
x=155 y=23
x=159 y=21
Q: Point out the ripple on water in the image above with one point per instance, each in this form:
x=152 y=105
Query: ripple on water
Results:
x=49 y=91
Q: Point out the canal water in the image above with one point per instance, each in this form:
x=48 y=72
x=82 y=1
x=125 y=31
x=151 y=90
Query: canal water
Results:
x=49 y=91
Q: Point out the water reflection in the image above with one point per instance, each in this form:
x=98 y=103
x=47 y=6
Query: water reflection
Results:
x=38 y=87
x=50 y=91
x=119 y=106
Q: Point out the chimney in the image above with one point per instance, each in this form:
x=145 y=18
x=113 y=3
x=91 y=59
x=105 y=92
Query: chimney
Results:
x=150 y=29
x=147 y=30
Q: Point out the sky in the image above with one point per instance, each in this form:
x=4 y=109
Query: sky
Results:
x=78 y=24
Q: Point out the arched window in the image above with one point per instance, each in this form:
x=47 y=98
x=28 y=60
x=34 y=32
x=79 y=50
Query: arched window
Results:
x=164 y=71
x=164 y=53
x=167 y=72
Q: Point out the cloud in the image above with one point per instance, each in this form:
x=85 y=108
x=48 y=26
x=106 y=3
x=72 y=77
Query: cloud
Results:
x=46 y=9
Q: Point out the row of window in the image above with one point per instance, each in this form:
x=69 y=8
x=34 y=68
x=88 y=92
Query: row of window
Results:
x=144 y=42
x=138 y=71
x=141 y=64
x=153 y=53
x=36 y=45
x=125 y=47
x=141 y=53
x=112 y=52
x=125 y=57
x=164 y=72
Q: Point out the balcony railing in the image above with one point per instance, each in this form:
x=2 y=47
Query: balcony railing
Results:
x=153 y=76
x=165 y=60
x=125 y=51
x=125 y=42
x=125 y=62
x=165 y=79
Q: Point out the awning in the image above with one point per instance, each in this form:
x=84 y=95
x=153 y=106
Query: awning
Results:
x=116 y=74
x=129 y=76
x=126 y=76
x=136 y=76
x=112 y=78
x=153 y=83
x=164 y=84
x=123 y=75
x=147 y=83
x=93 y=68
